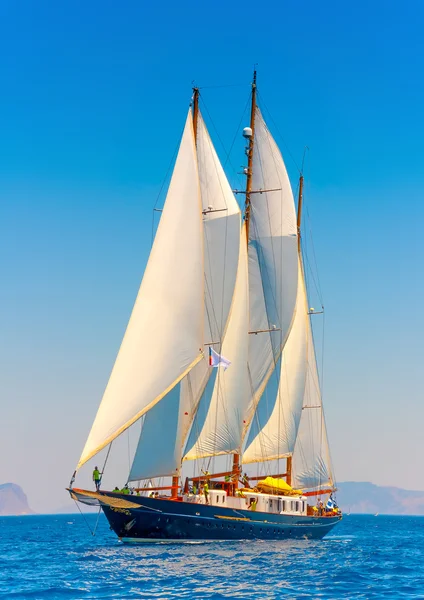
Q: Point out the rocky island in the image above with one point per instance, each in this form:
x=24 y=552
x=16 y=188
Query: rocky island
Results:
x=13 y=501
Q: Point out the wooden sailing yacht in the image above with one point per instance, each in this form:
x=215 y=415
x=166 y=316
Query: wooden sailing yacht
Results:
x=219 y=285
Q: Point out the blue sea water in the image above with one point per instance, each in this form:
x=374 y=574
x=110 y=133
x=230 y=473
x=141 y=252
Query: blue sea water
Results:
x=369 y=557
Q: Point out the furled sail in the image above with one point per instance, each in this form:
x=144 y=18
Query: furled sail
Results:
x=311 y=465
x=166 y=425
x=277 y=416
x=164 y=339
x=218 y=425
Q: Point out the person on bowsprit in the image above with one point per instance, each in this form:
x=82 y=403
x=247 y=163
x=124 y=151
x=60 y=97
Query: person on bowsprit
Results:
x=97 y=477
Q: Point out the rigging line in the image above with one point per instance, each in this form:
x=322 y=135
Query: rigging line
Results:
x=210 y=87
x=279 y=133
x=311 y=276
x=165 y=179
x=278 y=399
x=227 y=154
x=129 y=451
x=107 y=456
x=319 y=290
x=93 y=532
x=237 y=131
x=97 y=521
x=221 y=325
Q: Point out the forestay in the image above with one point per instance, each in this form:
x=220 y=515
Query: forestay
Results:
x=164 y=339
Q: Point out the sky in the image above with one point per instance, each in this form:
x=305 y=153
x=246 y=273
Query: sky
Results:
x=93 y=101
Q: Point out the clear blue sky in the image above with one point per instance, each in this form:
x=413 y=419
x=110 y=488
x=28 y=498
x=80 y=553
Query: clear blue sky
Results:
x=93 y=100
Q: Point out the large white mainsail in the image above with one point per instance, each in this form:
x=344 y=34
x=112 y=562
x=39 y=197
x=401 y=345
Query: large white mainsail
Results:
x=311 y=464
x=276 y=421
x=218 y=425
x=164 y=337
x=159 y=451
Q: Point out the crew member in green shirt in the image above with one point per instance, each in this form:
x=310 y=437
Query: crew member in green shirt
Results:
x=96 y=478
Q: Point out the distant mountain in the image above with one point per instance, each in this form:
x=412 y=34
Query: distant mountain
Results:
x=13 y=501
x=367 y=498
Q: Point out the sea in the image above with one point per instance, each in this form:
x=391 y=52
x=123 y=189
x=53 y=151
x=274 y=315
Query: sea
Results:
x=56 y=556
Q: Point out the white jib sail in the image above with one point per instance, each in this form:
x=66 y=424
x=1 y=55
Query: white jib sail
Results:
x=276 y=420
x=164 y=337
x=311 y=465
x=218 y=425
x=166 y=425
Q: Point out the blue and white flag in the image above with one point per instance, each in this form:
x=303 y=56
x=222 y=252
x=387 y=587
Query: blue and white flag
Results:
x=216 y=360
x=330 y=504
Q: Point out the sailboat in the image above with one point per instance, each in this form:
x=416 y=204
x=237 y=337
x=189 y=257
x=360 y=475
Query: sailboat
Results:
x=218 y=363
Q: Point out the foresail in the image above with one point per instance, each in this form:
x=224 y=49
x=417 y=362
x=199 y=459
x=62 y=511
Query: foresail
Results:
x=159 y=449
x=218 y=425
x=311 y=464
x=166 y=426
x=164 y=337
x=276 y=420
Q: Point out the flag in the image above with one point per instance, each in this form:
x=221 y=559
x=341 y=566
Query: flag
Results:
x=216 y=360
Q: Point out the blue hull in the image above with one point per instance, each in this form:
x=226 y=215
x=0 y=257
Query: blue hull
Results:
x=168 y=520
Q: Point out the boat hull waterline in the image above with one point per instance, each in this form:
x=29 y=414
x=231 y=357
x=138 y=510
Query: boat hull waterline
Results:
x=162 y=520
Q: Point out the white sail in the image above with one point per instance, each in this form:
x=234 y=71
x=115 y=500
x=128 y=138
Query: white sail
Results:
x=218 y=425
x=273 y=262
x=276 y=421
x=222 y=224
x=159 y=449
x=164 y=337
x=272 y=239
x=165 y=428
x=311 y=464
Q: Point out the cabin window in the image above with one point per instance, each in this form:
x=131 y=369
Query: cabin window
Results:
x=284 y=506
x=217 y=499
x=297 y=506
x=270 y=505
